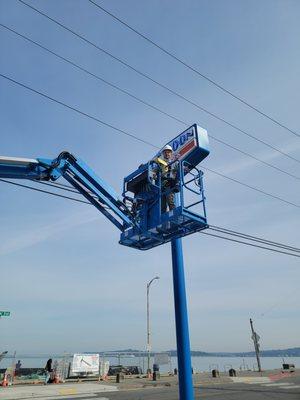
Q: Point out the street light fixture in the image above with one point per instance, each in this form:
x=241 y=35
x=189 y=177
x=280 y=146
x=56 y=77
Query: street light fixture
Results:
x=148 y=326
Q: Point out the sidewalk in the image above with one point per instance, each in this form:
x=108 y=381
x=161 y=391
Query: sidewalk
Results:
x=54 y=391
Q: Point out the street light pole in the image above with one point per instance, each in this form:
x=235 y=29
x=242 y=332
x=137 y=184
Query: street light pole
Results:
x=186 y=390
x=148 y=325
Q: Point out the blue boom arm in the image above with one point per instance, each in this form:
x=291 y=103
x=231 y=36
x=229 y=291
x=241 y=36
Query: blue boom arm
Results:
x=141 y=214
x=79 y=175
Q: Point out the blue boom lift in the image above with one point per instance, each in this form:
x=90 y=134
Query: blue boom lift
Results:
x=140 y=215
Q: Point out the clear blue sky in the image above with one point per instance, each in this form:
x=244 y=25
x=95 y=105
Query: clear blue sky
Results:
x=68 y=283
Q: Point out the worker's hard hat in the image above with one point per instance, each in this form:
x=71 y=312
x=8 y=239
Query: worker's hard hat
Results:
x=167 y=147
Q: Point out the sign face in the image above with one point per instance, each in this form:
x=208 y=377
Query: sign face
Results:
x=4 y=313
x=161 y=358
x=184 y=143
x=84 y=363
x=191 y=145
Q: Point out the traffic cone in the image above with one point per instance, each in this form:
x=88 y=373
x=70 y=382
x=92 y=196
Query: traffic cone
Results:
x=5 y=381
x=56 y=378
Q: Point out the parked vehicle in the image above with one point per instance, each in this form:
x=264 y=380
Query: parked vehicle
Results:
x=288 y=367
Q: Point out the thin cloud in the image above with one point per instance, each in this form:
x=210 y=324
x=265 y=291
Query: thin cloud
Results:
x=250 y=162
x=36 y=235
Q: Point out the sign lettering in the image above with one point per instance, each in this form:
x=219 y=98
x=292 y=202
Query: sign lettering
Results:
x=4 y=313
x=182 y=139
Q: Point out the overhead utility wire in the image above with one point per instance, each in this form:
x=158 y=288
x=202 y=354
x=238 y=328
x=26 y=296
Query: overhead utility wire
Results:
x=77 y=110
x=196 y=71
x=205 y=233
x=89 y=203
x=278 y=303
x=55 y=185
x=136 y=137
x=249 y=186
x=253 y=238
x=58 y=186
x=218 y=229
x=143 y=101
x=67 y=188
x=43 y=191
x=159 y=84
x=249 y=244
x=211 y=227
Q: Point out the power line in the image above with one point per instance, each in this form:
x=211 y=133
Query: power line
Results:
x=211 y=227
x=253 y=238
x=159 y=83
x=251 y=187
x=238 y=241
x=43 y=191
x=279 y=302
x=136 y=137
x=196 y=71
x=143 y=101
x=249 y=244
x=254 y=157
x=204 y=233
x=219 y=229
x=59 y=186
x=77 y=110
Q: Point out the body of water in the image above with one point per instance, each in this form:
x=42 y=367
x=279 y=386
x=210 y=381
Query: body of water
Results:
x=200 y=364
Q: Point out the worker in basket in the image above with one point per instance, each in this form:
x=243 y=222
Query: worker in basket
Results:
x=169 y=180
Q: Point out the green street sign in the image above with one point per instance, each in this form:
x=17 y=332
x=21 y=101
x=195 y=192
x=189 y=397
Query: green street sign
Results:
x=4 y=313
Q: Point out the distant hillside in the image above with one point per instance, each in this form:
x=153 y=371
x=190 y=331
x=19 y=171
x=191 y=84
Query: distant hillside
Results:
x=293 y=352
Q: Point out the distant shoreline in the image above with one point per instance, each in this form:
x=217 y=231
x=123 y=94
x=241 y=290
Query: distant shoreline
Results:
x=263 y=354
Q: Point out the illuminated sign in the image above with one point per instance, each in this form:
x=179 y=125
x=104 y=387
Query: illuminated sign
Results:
x=190 y=145
x=4 y=313
x=184 y=143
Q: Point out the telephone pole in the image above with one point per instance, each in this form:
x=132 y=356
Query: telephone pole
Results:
x=255 y=337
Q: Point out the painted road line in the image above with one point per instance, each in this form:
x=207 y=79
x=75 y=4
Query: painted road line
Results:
x=46 y=397
x=291 y=387
x=278 y=384
x=73 y=391
x=251 y=380
x=68 y=391
x=79 y=396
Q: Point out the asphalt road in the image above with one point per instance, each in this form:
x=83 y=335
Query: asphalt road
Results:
x=224 y=393
x=287 y=389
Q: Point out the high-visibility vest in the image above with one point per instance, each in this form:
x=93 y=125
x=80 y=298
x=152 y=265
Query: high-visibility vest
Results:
x=163 y=165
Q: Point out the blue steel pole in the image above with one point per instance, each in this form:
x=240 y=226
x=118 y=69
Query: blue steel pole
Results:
x=186 y=391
